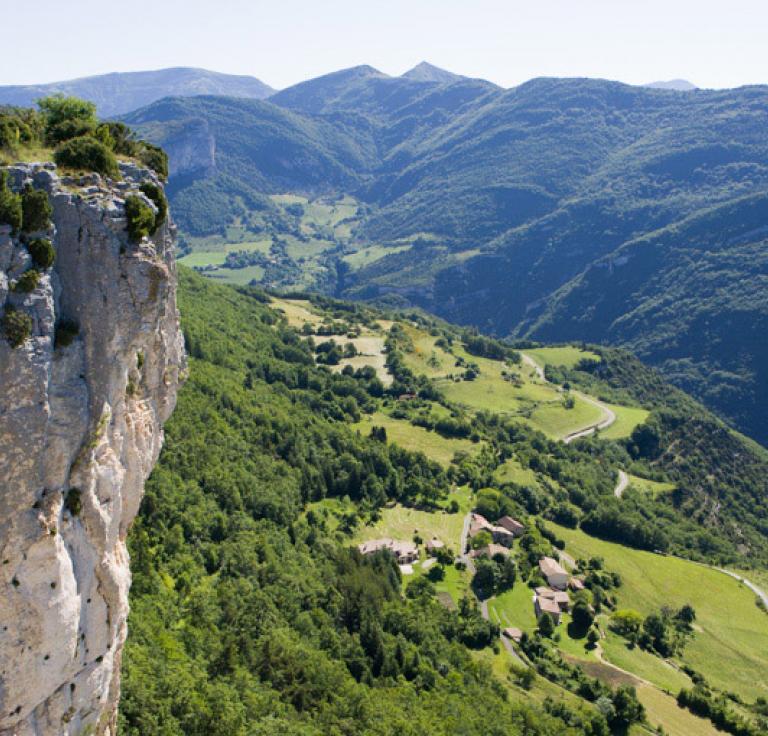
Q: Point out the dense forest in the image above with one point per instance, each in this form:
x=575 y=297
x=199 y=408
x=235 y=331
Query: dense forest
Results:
x=251 y=614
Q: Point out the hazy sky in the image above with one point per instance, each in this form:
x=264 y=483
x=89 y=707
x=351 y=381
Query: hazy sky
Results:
x=713 y=43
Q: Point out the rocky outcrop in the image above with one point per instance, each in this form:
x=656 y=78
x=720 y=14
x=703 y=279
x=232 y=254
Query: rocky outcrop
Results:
x=83 y=399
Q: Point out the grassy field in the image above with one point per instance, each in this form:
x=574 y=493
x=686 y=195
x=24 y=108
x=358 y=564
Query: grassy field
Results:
x=627 y=418
x=731 y=643
x=403 y=522
x=238 y=276
x=514 y=608
x=512 y=472
x=438 y=448
x=663 y=709
x=297 y=311
x=370 y=254
x=567 y=356
x=652 y=487
x=643 y=664
x=556 y=421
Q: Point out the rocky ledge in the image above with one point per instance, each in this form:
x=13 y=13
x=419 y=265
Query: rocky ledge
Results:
x=91 y=356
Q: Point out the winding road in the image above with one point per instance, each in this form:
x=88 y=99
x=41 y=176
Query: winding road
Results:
x=621 y=485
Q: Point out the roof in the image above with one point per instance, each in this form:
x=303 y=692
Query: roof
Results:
x=560 y=597
x=501 y=530
x=551 y=567
x=396 y=546
x=576 y=584
x=547 y=605
x=491 y=550
x=544 y=592
x=435 y=544
x=512 y=632
x=509 y=523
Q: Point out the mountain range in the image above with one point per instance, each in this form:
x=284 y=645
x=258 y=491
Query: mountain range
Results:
x=559 y=209
x=121 y=92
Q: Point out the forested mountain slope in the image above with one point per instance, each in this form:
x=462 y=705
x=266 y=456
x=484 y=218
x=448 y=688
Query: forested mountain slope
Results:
x=466 y=189
x=251 y=615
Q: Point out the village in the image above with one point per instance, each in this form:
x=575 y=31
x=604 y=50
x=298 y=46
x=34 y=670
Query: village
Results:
x=493 y=541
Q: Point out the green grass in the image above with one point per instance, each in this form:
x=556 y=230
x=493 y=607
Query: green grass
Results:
x=731 y=643
x=652 y=487
x=238 y=276
x=567 y=355
x=514 y=608
x=644 y=664
x=512 y=472
x=663 y=709
x=438 y=448
x=370 y=254
x=556 y=421
x=627 y=418
x=403 y=522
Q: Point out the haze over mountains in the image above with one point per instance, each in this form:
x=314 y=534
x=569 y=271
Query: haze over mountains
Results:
x=121 y=92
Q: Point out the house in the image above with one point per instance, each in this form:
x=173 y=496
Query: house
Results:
x=490 y=551
x=512 y=632
x=434 y=544
x=576 y=584
x=477 y=524
x=547 y=605
x=512 y=525
x=502 y=535
x=404 y=552
x=562 y=600
x=555 y=575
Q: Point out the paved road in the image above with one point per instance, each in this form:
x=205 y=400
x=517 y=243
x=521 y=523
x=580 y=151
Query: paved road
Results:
x=757 y=591
x=621 y=485
x=608 y=418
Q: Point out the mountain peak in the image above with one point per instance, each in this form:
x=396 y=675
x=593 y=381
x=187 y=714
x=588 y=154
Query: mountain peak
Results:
x=680 y=85
x=426 y=72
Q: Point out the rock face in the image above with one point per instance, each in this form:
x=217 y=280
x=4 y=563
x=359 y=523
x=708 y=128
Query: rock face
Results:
x=81 y=422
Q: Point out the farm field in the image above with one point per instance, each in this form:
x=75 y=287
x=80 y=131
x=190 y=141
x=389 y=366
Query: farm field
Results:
x=627 y=418
x=567 y=356
x=663 y=709
x=513 y=472
x=297 y=311
x=403 y=522
x=365 y=256
x=434 y=446
x=731 y=641
x=652 y=487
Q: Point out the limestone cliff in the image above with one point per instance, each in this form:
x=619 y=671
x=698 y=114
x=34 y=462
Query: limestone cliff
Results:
x=83 y=399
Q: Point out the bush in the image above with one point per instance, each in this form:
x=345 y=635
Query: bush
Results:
x=42 y=251
x=17 y=326
x=67 y=117
x=73 y=501
x=154 y=157
x=87 y=153
x=156 y=194
x=36 y=210
x=141 y=219
x=28 y=281
x=66 y=331
x=10 y=204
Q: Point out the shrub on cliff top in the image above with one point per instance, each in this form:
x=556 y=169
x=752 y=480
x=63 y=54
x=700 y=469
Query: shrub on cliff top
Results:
x=87 y=153
x=141 y=218
x=28 y=281
x=154 y=157
x=67 y=117
x=10 y=204
x=17 y=326
x=156 y=194
x=42 y=251
x=36 y=210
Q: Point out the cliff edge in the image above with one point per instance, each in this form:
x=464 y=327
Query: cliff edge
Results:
x=91 y=356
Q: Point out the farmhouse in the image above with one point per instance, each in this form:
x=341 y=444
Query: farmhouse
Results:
x=477 y=524
x=404 y=552
x=554 y=573
x=512 y=525
x=502 y=535
x=547 y=605
x=490 y=551
x=512 y=632
x=558 y=596
x=434 y=544
x=576 y=584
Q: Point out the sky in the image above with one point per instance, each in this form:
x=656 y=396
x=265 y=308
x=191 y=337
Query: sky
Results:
x=713 y=44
